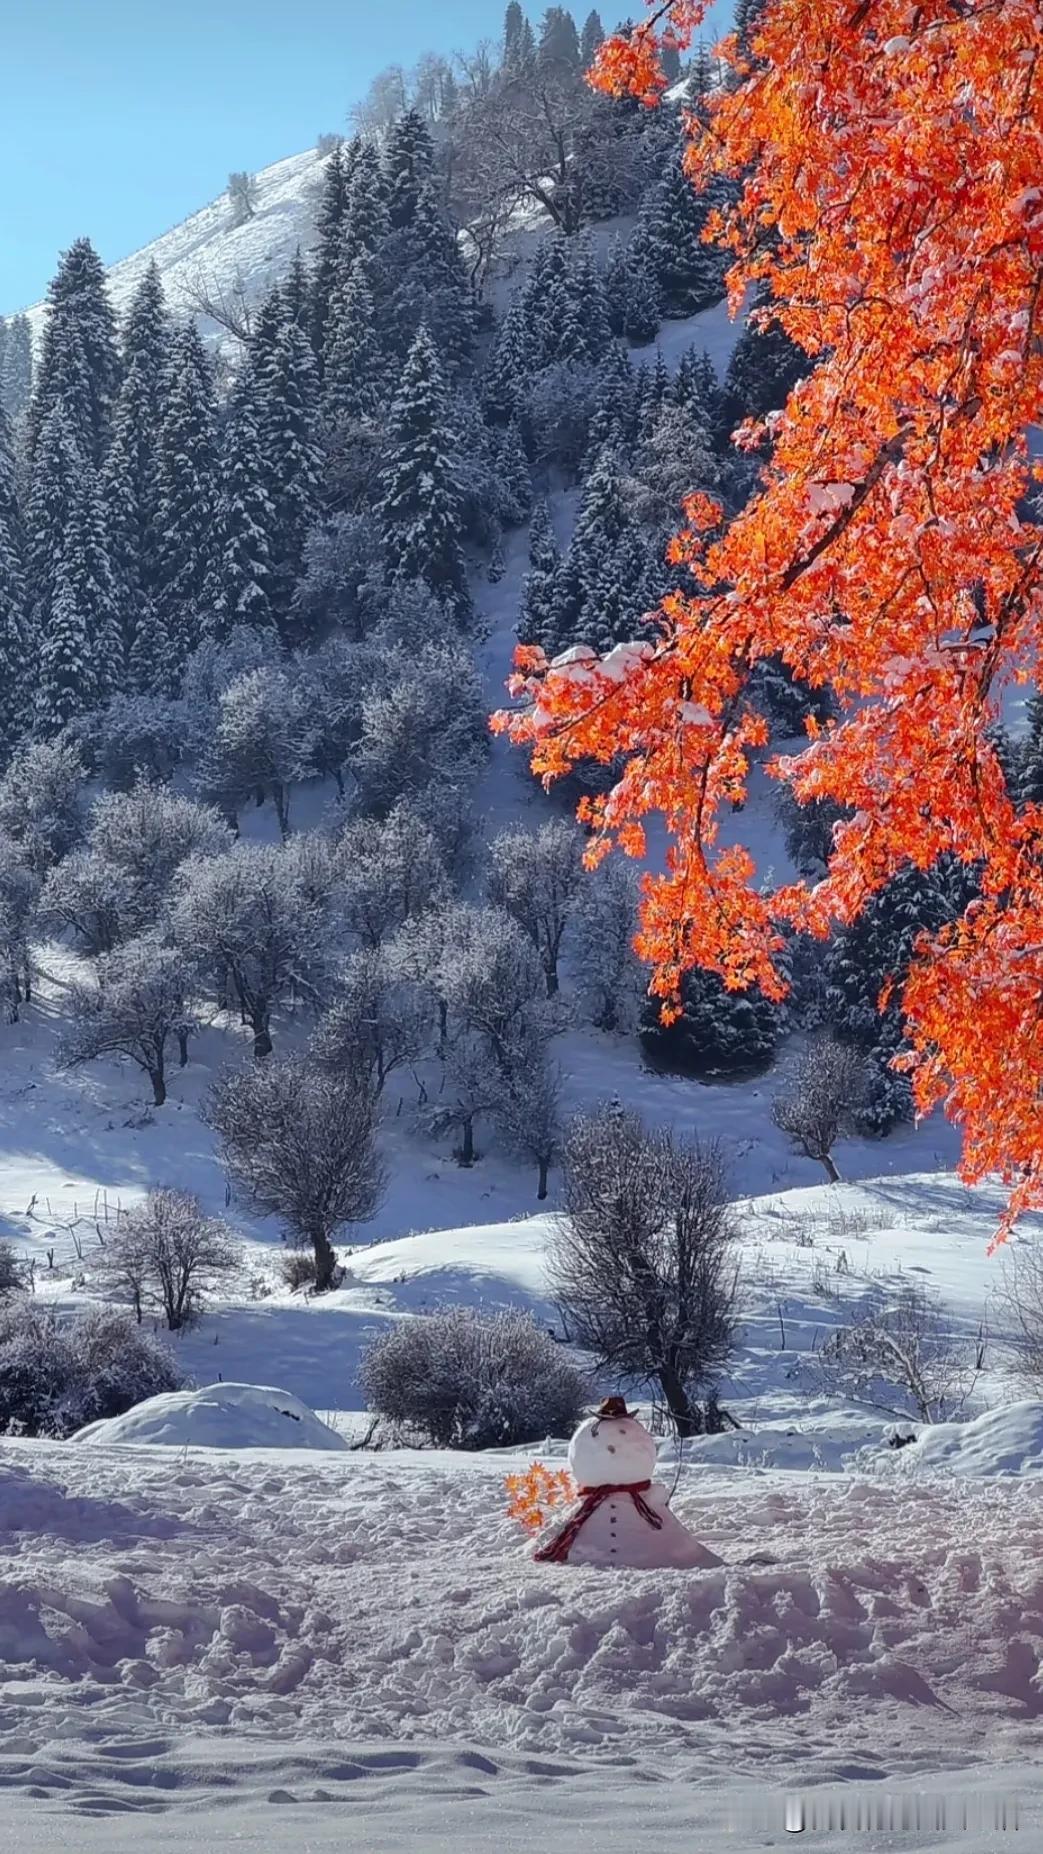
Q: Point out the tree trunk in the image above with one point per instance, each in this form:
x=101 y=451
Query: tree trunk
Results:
x=27 y=982
x=258 y=1021
x=325 y=1261
x=182 y=1048
x=687 y=1415
x=828 y=1166
x=282 y=810
x=159 y=1086
x=544 y=1165
x=467 y=1150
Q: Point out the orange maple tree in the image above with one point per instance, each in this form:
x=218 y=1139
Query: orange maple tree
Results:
x=888 y=160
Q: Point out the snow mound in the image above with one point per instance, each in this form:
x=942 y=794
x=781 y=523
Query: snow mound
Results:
x=219 y=1416
x=1006 y=1441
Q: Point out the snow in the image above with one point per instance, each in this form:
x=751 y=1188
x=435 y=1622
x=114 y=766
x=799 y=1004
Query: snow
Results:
x=217 y=1416
x=1005 y=1441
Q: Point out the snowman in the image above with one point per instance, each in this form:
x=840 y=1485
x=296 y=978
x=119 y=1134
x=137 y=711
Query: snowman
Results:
x=621 y=1516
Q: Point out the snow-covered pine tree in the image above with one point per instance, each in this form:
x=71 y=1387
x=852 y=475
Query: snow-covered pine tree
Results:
x=353 y=370
x=16 y=374
x=448 y=305
x=718 y=1032
x=558 y=46
x=366 y=218
x=187 y=498
x=287 y=410
x=764 y=367
x=515 y=475
x=690 y=274
x=15 y=656
x=420 y=501
x=613 y=420
x=409 y=159
x=327 y=262
x=544 y=302
x=66 y=685
x=241 y=591
x=592 y=35
x=79 y=363
x=654 y=397
x=535 y=624
x=508 y=365
x=130 y=477
x=297 y=293
x=514 y=39
x=1031 y=780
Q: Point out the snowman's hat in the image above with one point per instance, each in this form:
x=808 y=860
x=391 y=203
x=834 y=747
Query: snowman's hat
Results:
x=614 y=1407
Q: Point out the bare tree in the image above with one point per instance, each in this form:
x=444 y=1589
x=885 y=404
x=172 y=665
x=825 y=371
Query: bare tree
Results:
x=535 y=876
x=242 y=196
x=299 y=1143
x=518 y=143
x=641 y=1263
x=1020 y=1301
x=830 y=1085
x=901 y=1355
x=136 y=1004
x=528 y=1113
x=222 y=301
x=169 y=1251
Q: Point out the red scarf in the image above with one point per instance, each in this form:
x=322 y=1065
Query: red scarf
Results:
x=557 y=1549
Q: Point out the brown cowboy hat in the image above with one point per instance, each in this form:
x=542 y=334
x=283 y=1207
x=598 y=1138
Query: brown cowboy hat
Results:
x=614 y=1407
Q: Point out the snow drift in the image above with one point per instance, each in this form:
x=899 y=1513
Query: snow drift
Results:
x=219 y=1416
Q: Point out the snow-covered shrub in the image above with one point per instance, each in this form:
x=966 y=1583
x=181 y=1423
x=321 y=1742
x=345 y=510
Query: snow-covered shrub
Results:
x=899 y=1353
x=298 y=1142
x=12 y=1274
x=57 y=1376
x=42 y=802
x=167 y=1253
x=460 y=1379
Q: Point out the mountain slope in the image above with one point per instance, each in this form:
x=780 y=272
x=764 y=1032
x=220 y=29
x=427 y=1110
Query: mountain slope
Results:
x=208 y=250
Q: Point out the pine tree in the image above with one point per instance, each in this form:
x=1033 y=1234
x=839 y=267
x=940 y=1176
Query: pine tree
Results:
x=613 y=421
x=130 y=478
x=297 y=293
x=1031 y=782
x=74 y=620
x=747 y=15
x=409 y=160
x=420 y=503
x=652 y=402
x=690 y=274
x=514 y=24
x=559 y=41
x=242 y=584
x=447 y=304
x=16 y=376
x=515 y=475
x=352 y=381
x=508 y=365
x=66 y=684
x=592 y=35
x=764 y=367
x=328 y=259
x=366 y=219
x=79 y=363
x=187 y=498
x=287 y=408
x=535 y=624
x=544 y=302
x=696 y=389
x=718 y=1032
x=15 y=656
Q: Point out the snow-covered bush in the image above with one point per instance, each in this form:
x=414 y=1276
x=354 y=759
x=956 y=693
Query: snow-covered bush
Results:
x=136 y=1004
x=899 y=1353
x=299 y=1144
x=12 y=1274
x=167 y=1253
x=459 y=1379
x=57 y=1376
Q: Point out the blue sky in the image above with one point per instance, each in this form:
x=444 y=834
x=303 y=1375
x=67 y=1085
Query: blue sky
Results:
x=119 y=117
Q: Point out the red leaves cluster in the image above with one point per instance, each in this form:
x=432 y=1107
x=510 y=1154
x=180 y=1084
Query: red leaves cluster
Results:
x=890 y=159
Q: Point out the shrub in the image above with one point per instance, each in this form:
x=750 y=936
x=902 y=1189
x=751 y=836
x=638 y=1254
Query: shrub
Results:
x=460 y=1379
x=168 y=1254
x=12 y=1272
x=55 y=1377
